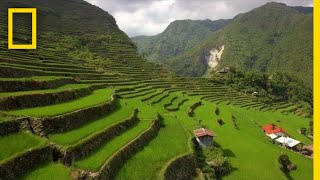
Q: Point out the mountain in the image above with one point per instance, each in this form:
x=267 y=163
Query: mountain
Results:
x=271 y=38
x=76 y=30
x=179 y=37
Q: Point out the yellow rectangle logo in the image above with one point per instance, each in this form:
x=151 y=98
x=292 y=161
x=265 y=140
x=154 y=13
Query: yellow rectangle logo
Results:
x=11 y=12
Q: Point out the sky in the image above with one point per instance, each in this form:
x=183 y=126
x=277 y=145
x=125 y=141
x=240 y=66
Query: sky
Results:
x=151 y=17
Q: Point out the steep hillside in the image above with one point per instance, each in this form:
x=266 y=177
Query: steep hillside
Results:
x=179 y=37
x=271 y=38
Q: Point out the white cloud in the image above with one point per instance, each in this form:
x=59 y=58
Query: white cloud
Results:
x=150 y=17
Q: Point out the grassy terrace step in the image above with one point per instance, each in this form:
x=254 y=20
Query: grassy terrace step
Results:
x=170 y=142
x=51 y=171
x=175 y=106
x=97 y=97
x=41 y=64
x=28 y=99
x=153 y=95
x=136 y=90
x=33 y=83
x=14 y=144
x=71 y=137
x=94 y=161
x=59 y=89
x=45 y=67
x=139 y=94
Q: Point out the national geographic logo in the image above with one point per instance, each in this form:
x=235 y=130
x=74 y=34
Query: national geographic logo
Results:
x=11 y=12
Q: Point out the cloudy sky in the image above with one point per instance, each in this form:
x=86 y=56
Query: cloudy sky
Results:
x=151 y=17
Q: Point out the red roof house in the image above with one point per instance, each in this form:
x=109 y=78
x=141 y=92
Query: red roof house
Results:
x=204 y=136
x=273 y=129
x=203 y=132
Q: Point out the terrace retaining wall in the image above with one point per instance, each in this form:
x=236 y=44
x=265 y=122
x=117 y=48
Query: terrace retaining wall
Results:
x=12 y=86
x=10 y=126
x=193 y=107
x=89 y=145
x=65 y=122
x=182 y=168
x=114 y=163
x=41 y=99
x=15 y=167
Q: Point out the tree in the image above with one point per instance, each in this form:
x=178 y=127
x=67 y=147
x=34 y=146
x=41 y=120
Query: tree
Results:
x=284 y=162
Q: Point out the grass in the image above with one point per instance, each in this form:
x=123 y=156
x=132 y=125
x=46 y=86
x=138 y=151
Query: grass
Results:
x=5 y=117
x=251 y=154
x=60 y=89
x=17 y=143
x=97 y=159
x=35 y=78
x=148 y=163
x=97 y=97
x=122 y=112
x=51 y=171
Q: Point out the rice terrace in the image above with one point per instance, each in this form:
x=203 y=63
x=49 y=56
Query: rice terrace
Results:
x=87 y=103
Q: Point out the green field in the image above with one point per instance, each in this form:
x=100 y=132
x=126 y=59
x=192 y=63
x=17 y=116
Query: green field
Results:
x=97 y=97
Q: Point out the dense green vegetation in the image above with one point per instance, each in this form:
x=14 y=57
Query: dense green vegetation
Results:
x=272 y=38
x=273 y=88
x=179 y=37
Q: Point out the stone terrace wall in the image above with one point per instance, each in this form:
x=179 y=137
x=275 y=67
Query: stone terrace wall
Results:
x=12 y=86
x=41 y=99
x=65 y=122
x=182 y=168
x=113 y=164
x=13 y=168
x=88 y=145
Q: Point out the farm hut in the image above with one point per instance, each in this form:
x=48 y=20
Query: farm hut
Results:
x=273 y=129
x=204 y=136
x=308 y=150
x=290 y=143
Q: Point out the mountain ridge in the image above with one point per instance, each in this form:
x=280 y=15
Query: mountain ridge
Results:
x=271 y=38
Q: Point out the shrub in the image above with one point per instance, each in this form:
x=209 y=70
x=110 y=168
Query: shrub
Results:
x=220 y=122
x=285 y=164
x=235 y=124
x=217 y=111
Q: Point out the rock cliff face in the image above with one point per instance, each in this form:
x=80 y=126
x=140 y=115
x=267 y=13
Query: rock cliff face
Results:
x=214 y=57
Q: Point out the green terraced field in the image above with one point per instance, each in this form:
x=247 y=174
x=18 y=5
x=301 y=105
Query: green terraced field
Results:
x=50 y=171
x=97 y=97
x=95 y=160
x=14 y=144
x=71 y=137
x=60 y=89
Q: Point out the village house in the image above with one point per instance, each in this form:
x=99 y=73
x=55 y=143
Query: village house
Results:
x=281 y=136
x=204 y=136
x=274 y=131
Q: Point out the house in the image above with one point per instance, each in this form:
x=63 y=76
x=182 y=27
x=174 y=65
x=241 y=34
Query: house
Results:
x=290 y=143
x=273 y=129
x=204 y=136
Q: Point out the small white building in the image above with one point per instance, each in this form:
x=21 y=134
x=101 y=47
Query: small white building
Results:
x=289 y=142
